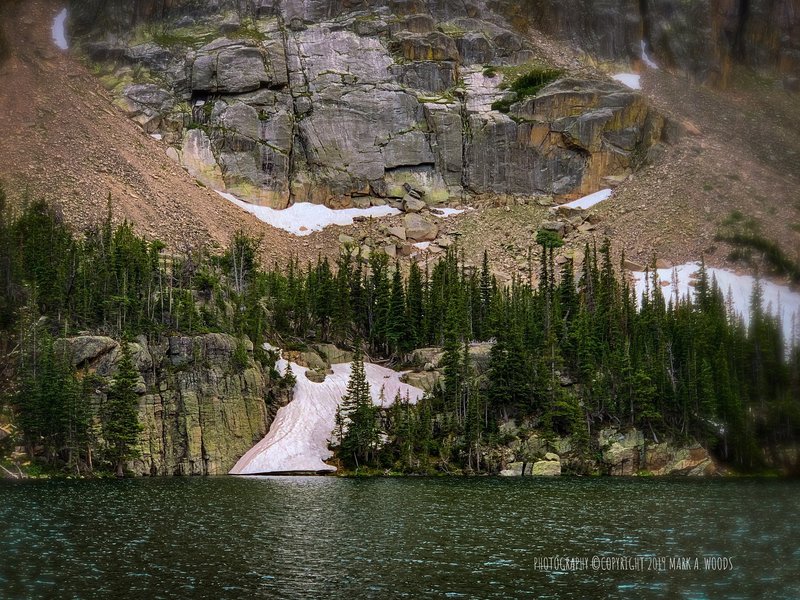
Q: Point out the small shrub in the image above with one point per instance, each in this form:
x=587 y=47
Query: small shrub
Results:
x=240 y=357
x=533 y=81
x=504 y=104
x=248 y=30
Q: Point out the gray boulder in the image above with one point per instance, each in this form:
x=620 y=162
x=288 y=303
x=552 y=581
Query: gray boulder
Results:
x=411 y=204
x=418 y=229
x=334 y=355
x=546 y=468
x=425 y=380
x=85 y=349
x=514 y=469
x=231 y=67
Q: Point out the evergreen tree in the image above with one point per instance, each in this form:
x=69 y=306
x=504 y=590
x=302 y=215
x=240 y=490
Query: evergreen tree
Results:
x=358 y=416
x=120 y=415
x=397 y=326
x=415 y=302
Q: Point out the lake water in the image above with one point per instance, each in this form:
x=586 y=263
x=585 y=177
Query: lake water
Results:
x=326 y=537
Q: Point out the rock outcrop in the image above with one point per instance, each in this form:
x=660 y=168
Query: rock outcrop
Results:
x=203 y=402
x=346 y=104
x=626 y=453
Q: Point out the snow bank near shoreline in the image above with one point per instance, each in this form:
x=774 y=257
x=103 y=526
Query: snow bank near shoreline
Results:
x=779 y=300
x=298 y=437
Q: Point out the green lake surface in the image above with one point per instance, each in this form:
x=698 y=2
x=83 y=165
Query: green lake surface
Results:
x=327 y=537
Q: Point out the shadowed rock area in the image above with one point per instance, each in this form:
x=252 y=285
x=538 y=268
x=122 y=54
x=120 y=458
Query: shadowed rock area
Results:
x=199 y=408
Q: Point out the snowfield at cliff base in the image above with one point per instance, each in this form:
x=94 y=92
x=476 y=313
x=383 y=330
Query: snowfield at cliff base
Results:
x=304 y=218
x=590 y=200
x=298 y=439
x=779 y=300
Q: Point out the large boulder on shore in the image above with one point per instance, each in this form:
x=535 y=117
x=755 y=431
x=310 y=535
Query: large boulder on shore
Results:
x=549 y=467
x=86 y=349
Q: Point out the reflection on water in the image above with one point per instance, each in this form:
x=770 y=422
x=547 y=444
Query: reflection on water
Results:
x=321 y=537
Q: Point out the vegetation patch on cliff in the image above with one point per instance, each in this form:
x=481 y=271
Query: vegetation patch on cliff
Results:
x=522 y=83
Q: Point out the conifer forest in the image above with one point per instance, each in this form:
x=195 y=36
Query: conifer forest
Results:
x=573 y=349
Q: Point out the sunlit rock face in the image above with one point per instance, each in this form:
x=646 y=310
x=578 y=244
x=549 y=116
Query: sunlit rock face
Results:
x=299 y=438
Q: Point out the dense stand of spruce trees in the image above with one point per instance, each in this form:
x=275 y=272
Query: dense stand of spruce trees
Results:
x=573 y=353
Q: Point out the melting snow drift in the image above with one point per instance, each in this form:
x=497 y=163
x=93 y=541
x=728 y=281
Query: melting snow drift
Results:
x=449 y=212
x=298 y=437
x=628 y=79
x=779 y=300
x=304 y=218
x=646 y=58
x=59 y=33
x=590 y=200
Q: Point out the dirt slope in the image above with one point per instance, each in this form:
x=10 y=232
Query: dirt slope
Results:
x=63 y=139
x=742 y=152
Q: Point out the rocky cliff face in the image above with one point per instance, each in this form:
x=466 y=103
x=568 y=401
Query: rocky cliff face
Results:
x=704 y=38
x=359 y=102
x=200 y=410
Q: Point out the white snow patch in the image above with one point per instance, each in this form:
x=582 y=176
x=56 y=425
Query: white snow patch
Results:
x=628 y=79
x=590 y=200
x=299 y=436
x=421 y=245
x=59 y=32
x=449 y=212
x=646 y=58
x=157 y=136
x=780 y=300
x=304 y=218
